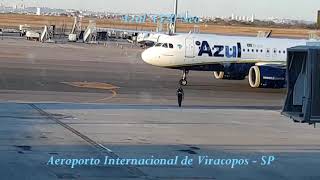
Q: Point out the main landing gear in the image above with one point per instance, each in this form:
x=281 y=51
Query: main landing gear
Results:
x=183 y=81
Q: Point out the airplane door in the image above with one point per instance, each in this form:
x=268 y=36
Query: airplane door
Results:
x=189 y=50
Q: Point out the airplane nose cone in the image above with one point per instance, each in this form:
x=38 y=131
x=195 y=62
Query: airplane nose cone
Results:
x=146 y=56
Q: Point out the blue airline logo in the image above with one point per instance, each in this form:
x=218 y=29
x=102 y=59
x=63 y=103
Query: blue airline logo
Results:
x=219 y=50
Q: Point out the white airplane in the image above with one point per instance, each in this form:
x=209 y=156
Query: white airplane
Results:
x=147 y=38
x=229 y=57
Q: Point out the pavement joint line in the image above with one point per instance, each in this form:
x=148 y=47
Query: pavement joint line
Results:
x=133 y=170
x=102 y=146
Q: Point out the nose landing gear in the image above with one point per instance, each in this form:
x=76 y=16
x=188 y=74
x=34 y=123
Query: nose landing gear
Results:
x=183 y=81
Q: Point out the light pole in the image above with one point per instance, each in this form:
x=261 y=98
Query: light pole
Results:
x=175 y=17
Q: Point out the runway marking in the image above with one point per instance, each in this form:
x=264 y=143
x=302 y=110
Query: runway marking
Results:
x=95 y=85
x=131 y=169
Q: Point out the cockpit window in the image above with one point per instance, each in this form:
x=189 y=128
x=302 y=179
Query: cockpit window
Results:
x=165 y=45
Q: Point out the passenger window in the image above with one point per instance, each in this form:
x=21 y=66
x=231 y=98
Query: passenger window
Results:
x=257 y=50
x=248 y=50
x=171 y=46
x=261 y=51
x=284 y=52
x=252 y=50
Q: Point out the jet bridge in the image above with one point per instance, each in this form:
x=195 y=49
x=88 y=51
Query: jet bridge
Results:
x=303 y=84
x=76 y=30
x=47 y=34
x=90 y=35
x=264 y=34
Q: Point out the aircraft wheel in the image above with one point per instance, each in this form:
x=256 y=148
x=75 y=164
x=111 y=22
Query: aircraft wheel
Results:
x=183 y=82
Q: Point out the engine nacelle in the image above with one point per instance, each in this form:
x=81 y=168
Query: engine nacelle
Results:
x=218 y=74
x=233 y=71
x=267 y=76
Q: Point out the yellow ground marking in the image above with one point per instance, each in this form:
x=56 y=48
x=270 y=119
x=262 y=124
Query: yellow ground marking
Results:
x=92 y=85
x=114 y=94
x=95 y=85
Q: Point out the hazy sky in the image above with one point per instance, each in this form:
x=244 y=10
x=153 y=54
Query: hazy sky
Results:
x=294 y=9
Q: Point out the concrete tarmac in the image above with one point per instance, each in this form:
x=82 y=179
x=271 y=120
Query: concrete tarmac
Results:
x=74 y=101
x=41 y=68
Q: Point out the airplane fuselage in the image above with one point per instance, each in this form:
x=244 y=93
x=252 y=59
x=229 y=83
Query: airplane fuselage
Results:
x=229 y=57
x=195 y=49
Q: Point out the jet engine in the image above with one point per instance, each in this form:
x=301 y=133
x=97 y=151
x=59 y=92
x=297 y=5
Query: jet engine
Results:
x=233 y=71
x=267 y=76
